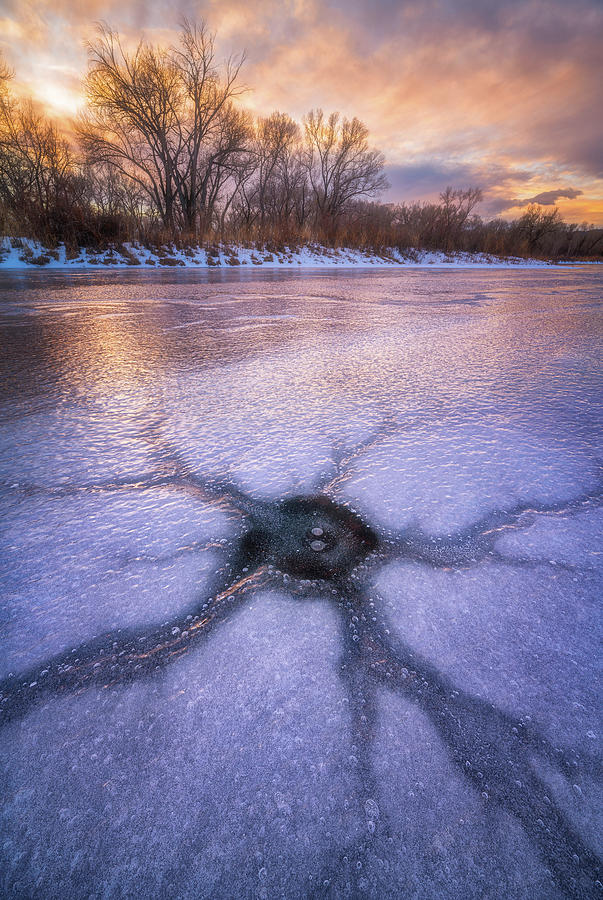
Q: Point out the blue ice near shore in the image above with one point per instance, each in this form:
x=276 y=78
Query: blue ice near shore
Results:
x=184 y=713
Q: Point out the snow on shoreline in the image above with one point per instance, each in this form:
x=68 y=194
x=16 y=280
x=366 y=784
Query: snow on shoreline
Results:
x=24 y=253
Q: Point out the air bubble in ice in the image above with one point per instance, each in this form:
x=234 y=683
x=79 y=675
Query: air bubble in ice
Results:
x=371 y=808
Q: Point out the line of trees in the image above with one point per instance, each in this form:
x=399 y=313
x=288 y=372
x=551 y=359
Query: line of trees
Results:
x=165 y=150
x=451 y=225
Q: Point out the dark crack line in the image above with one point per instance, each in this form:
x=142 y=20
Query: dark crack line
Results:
x=467 y=547
x=123 y=656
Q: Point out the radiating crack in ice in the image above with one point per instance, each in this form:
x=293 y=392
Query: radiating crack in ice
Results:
x=327 y=548
x=495 y=751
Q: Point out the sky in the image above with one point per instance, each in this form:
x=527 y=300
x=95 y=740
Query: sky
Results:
x=500 y=94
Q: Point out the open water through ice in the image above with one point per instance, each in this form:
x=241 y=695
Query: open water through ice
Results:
x=301 y=578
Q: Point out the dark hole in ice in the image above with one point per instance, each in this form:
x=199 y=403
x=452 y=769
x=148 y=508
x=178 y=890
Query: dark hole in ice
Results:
x=311 y=537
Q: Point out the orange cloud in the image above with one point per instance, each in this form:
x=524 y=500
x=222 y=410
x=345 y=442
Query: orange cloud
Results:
x=502 y=93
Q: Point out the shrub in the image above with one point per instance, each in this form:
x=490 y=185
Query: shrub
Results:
x=169 y=261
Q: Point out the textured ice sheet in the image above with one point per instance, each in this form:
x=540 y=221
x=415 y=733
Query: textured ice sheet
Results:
x=312 y=744
x=522 y=638
x=125 y=557
x=447 y=477
x=573 y=542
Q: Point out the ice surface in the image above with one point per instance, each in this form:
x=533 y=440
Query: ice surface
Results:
x=450 y=476
x=124 y=559
x=228 y=778
x=517 y=636
x=424 y=725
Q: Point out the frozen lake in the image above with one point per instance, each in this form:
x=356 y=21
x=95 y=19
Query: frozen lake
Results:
x=301 y=579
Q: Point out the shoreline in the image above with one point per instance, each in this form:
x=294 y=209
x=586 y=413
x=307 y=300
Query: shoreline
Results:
x=23 y=254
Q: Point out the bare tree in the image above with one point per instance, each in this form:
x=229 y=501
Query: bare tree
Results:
x=456 y=205
x=38 y=179
x=536 y=223
x=341 y=166
x=6 y=73
x=164 y=119
x=118 y=206
x=275 y=136
x=271 y=177
x=220 y=163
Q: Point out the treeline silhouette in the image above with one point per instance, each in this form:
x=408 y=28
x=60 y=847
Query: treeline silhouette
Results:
x=166 y=152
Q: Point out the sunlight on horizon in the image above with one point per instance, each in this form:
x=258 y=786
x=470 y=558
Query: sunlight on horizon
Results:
x=59 y=101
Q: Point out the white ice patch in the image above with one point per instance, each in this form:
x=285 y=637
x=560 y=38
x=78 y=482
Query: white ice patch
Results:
x=520 y=638
x=575 y=541
x=449 y=842
x=443 y=479
x=280 y=433
x=79 y=566
x=59 y=446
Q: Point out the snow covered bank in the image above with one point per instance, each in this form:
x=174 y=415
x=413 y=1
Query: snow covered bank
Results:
x=20 y=253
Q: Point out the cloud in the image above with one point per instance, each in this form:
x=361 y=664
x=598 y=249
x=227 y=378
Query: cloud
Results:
x=549 y=198
x=495 y=93
x=544 y=198
x=425 y=180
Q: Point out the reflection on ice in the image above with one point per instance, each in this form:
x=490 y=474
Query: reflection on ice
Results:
x=310 y=617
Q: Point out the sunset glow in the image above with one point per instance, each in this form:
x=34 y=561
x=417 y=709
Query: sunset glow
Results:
x=502 y=95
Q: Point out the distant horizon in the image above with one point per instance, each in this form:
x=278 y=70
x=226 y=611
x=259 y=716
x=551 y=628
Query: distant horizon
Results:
x=498 y=95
